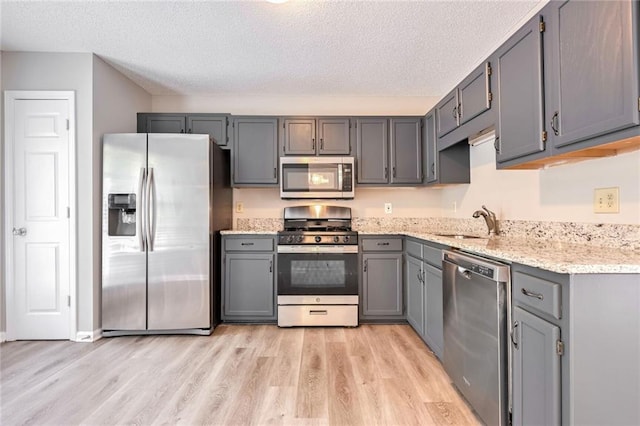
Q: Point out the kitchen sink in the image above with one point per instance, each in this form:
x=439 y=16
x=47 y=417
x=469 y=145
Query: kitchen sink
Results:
x=461 y=236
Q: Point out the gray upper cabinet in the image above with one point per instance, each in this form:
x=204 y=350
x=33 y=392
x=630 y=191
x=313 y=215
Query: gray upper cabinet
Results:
x=593 y=80
x=467 y=101
x=406 y=150
x=536 y=371
x=430 y=157
x=474 y=94
x=519 y=72
x=372 y=138
x=255 y=151
x=389 y=150
x=310 y=136
x=447 y=113
x=299 y=136
x=214 y=125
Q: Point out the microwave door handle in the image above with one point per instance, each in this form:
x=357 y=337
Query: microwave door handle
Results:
x=340 y=177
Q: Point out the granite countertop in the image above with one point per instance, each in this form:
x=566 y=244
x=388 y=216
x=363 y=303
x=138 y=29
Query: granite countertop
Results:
x=555 y=256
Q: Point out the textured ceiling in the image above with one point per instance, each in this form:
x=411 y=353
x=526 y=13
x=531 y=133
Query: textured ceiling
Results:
x=420 y=48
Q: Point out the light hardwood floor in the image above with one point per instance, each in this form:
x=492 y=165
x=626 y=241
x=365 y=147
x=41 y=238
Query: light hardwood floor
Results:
x=240 y=375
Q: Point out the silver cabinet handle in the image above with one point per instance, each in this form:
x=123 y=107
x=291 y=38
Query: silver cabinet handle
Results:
x=20 y=232
x=529 y=293
x=271 y=266
x=554 y=124
x=420 y=276
x=366 y=263
x=513 y=334
x=383 y=244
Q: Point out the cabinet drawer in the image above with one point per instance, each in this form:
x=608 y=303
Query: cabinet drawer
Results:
x=537 y=293
x=433 y=256
x=249 y=244
x=382 y=244
x=414 y=249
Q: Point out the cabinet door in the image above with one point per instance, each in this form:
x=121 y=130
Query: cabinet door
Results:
x=255 y=153
x=447 y=114
x=519 y=76
x=434 y=317
x=382 y=284
x=536 y=370
x=474 y=93
x=406 y=150
x=248 y=285
x=594 y=82
x=164 y=123
x=334 y=136
x=299 y=136
x=372 y=149
x=213 y=125
x=430 y=157
x=415 y=294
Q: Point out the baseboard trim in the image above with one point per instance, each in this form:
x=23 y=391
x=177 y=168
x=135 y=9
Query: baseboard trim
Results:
x=88 y=336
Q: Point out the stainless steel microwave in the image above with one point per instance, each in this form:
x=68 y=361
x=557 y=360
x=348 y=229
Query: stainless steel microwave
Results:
x=316 y=177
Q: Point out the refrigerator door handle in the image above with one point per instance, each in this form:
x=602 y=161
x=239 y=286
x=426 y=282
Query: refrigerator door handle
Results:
x=142 y=239
x=150 y=209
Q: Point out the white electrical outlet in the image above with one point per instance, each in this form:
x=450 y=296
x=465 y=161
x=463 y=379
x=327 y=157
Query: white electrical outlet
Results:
x=239 y=207
x=606 y=200
x=388 y=208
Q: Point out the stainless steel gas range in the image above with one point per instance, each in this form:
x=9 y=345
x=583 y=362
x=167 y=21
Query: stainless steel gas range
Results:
x=317 y=268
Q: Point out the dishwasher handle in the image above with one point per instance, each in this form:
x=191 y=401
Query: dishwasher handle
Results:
x=464 y=272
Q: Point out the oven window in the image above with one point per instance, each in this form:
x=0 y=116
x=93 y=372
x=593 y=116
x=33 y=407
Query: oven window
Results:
x=317 y=274
x=310 y=177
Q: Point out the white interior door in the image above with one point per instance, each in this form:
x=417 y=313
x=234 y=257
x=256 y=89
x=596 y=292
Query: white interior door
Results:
x=38 y=219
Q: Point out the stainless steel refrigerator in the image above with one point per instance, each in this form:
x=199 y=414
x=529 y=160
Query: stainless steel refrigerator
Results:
x=158 y=233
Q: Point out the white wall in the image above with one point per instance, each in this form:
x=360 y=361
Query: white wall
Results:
x=561 y=193
x=66 y=71
x=116 y=100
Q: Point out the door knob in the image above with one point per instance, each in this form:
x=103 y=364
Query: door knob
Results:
x=20 y=231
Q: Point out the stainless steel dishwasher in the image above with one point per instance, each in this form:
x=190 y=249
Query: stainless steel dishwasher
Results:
x=476 y=295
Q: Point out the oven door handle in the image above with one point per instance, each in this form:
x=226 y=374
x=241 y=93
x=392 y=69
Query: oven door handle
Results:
x=313 y=249
x=318 y=312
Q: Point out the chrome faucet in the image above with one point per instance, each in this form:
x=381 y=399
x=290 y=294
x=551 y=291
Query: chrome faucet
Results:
x=490 y=218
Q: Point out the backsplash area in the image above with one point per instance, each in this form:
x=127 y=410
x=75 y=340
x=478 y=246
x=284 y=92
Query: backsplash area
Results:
x=625 y=237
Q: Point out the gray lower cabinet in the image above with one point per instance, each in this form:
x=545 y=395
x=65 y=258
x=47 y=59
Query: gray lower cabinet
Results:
x=423 y=274
x=415 y=294
x=536 y=370
x=248 y=289
x=434 y=316
x=389 y=151
x=214 y=125
x=255 y=151
x=381 y=296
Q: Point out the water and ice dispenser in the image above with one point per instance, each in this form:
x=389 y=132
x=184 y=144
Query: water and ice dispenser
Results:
x=122 y=215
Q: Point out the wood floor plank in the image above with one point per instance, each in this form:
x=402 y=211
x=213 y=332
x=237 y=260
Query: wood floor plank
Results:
x=344 y=403
x=311 y=398
x=240 y=375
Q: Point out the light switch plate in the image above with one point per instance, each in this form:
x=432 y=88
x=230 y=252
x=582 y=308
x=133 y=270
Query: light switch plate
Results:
x=239 y=207
x=606 y=200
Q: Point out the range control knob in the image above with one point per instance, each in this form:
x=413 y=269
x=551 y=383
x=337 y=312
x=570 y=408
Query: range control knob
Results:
x=318 y=239
x=336 y=239
x=290 y=238
x=346 y=238
x=299 y=238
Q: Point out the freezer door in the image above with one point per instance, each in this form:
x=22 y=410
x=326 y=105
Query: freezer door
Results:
x=178 y=253
x=124 y=286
